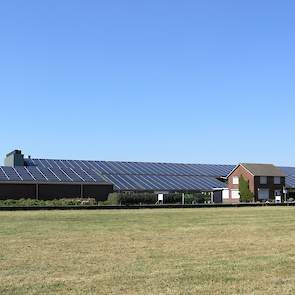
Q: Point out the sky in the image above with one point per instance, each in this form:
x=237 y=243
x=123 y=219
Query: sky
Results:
x=160 y=80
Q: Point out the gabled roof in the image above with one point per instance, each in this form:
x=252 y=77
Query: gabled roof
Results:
x=261 y=169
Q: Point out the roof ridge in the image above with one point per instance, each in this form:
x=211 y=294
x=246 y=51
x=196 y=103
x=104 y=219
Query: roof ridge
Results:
x=117 y=161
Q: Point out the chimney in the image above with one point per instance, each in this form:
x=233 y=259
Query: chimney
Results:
x=14 y=158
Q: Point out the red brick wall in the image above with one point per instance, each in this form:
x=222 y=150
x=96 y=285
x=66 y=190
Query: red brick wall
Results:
x=240 y=170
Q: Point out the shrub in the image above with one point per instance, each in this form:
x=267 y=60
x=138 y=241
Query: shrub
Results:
x=56 y=202
x=245 y=194
x=132 y=198
x=113 y=199
x=199 y=198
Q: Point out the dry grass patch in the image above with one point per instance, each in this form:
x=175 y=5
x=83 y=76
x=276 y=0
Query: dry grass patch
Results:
x=165 y=251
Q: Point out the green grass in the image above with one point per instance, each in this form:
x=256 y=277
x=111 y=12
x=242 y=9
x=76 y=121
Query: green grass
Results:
x=163 y=251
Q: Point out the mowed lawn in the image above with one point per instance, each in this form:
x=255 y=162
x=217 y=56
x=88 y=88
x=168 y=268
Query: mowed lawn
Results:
x=164 y=251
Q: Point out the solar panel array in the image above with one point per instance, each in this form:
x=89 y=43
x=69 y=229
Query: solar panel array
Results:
x=290 y=178
x=288 y=170
x=146 y=176
x=162 y=182
x=49 y=174
x=137 y=168
x=290 y=181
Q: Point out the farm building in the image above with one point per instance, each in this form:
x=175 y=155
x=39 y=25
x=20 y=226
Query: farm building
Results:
x=22 y=177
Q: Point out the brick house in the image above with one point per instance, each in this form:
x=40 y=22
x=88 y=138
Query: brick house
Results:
x=265 y=181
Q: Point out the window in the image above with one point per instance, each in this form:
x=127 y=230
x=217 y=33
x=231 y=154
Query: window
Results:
x=277 y=180
x=225 y=194
x=263 y=179
x=277 y=192
x=236 y=180
x=235 y=194
x=263 y=194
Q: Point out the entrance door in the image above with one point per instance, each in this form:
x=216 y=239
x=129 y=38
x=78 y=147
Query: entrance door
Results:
x=263 y=194
x=217 y=197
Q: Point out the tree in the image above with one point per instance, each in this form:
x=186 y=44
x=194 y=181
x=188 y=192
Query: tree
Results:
x=245 y=194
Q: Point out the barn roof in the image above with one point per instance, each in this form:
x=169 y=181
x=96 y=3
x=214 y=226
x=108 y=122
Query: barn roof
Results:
x=135 y=176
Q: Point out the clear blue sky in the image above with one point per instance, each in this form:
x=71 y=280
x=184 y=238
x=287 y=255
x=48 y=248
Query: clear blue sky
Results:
x=177 y=81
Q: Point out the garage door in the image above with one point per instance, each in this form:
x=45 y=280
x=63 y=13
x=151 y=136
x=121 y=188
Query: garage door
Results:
x=217 y=197
x=235 y=194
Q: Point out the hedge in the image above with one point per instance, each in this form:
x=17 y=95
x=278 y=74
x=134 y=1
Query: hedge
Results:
x=131 y=198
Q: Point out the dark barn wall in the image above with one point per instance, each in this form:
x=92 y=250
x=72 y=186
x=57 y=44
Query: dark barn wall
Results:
x=59 y=191
x=99 y=192
x=54 y=191
x=17 y=191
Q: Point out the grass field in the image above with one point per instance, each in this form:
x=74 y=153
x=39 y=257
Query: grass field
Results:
x=164 y=251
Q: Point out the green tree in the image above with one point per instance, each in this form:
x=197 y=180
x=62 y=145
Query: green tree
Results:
x=245 y=194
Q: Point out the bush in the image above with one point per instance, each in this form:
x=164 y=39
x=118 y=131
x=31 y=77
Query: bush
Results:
x=132 y=198
x=197 y=198
x=55 y=202
x=245 y=194
x=113 y=199
x=125 y=198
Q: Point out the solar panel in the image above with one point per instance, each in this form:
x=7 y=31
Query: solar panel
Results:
x=3 y=176
x=83 y=175
x=94 y=175
x=290 y=181
x=289 y=170
x=82 y=164
x=40 y=163
x=119 y=182
x=50 y=164
x=11 y=174
x=24 y=174
x=36 y=173
x=73 y=175
x=135 y=182
x=66 y=171
x=159 y=182
x=113 y=167
x=60 y=174
x=74 y=164
x=178 y=168
x=48 y=174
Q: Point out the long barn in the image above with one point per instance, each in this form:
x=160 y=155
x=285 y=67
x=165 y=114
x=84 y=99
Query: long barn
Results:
x=22 y=177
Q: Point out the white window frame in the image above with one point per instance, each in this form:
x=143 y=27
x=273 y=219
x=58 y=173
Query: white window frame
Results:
x=277 y=180
x=263 y=178
x=235 y=190
x=225 y=194
x=236 y=180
